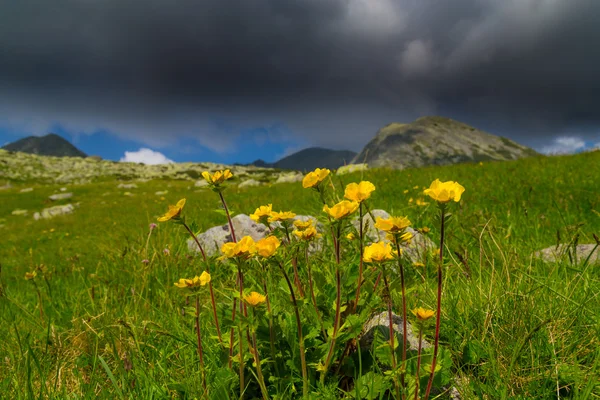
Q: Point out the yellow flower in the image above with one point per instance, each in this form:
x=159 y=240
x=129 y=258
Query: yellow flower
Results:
x=255 y=299
x=444 y=192
x=307 y=234
x=194 y=282
x=359 y=191
x=423 y=314
x=302 y=225
x=350 y=236
x=424 y=229
x=378 y=252
x=421 y=202
x=410 y=200
x=341 y=209
x=418 y=264
x=266 y=247
x=416 y=187
x=281 y=216
x=262 y=213
x=30 y=275
x=243 y=248
x=218 y=177
x=174 y=211
x=406 y=191
x=312 y=179
x=404 y=238
x=392 y=224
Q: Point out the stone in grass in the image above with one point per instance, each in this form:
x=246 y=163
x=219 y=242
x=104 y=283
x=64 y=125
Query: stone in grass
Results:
x=290 y=177
x=416 y=251
x=26 y=190
x=215 y=237
x=127 y=186
x=161 y=192
x=54 y=211
x=348 y=169
x=201 y=183
x=381 y=323
x=61 y=196
x=568 y=254
x=249 y=183
x=19 y=212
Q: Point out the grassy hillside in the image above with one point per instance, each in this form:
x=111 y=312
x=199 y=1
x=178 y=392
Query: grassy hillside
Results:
x=98 y=322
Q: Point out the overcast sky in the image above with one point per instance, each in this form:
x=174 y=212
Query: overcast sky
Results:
x=223 y=79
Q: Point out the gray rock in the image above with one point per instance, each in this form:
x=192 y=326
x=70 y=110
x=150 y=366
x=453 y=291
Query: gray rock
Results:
x=26 y=190
x=567 y=253
x=215 y=237
x=19 y=212
x=127 y=186
x=54 y=211
x=289 y=177
x=416 y=250
x=63 y=189
x=348 y=169
x=61 y=196
x=201 y=183
x=249 y=183
x=161 y=193
x=381 y=323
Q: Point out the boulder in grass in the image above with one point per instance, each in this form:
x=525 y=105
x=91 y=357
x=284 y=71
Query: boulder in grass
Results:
x=215 y=237
x=249 y=183
x=26 y=190
x=127 y=186
x=290 y=177
x=571 y=254
x=19 y=212
x=416 y=250
x=61 y=196
x=348 y=169
x=52 y=212
x=381 y=323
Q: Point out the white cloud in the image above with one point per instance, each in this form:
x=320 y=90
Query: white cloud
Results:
x=564 y=145
x=145 y=156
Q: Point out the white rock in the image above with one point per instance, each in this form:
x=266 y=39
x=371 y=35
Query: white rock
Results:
x=63 y=189
x=127 y=186
x=61 y=196
x=201 y=183
x=19 y=212
x=161 y=193
x=54 y=211
x=26 y=190
x=290 y=177
x=348 y=169
x=249 y=183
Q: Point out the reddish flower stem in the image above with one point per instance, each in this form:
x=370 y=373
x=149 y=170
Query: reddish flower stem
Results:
x=418 y=363
x=439 y=306
x=360 y=265
x=404 y=328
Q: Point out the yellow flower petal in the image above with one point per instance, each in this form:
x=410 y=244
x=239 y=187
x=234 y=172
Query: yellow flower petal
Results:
x=314 y=178
x=359 y=191
x=443 y=192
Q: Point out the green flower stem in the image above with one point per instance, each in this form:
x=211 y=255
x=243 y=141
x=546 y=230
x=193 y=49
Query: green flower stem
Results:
x=392 y=333
x=418 y=362
x=404 y=328
x=210 y=286
x=199 y=339
x=300 y=336
x=244 y=312
x=271 y=332
x=312 y=293
x=360 y=265
x=439 y=303
x=261 y=379
x=338 y=304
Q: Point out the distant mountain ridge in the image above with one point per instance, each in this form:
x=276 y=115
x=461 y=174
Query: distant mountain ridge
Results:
x=311 y=158
x=436 y=141
x=48 y=145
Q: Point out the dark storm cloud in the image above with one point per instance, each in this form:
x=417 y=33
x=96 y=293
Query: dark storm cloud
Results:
x=333 y=71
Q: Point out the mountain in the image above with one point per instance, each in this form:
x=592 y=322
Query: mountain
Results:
x=49 y=145
x=436 y=141
x=311 y=158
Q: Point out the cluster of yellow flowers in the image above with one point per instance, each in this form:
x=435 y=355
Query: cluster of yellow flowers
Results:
x=265 y=214
x=194 y=282
x=305 y=230
x=218 y=177
x=247 y=248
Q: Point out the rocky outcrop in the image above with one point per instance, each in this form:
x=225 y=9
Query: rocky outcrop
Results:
x=571 y=254
x=436 y=141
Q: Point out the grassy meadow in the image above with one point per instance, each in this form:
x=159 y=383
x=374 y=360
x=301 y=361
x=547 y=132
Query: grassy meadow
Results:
x=98 y=322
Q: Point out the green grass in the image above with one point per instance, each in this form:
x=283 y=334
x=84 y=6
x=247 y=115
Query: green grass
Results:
x=113 y=327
